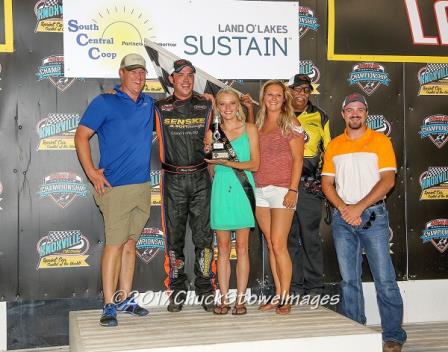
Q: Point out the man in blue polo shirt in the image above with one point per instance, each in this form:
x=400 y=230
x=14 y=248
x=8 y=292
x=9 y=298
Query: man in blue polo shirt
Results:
x=124 y=124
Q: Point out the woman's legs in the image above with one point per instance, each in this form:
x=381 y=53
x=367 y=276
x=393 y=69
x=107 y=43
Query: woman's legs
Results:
x=223 y=264
x=242 y=265
x=281 y=220
x=263 y=215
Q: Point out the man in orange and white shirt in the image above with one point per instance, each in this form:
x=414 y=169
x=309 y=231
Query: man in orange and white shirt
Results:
x=359 y=170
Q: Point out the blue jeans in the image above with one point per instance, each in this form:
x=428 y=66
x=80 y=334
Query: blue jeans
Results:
x=374 y=239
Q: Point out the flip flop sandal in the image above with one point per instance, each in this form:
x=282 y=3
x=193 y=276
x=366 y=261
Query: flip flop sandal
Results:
x=239 y=309
x=268 y=305
x=283 y=309
x=221 y=309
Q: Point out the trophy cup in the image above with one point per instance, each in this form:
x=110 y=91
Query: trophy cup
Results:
x=218 y=150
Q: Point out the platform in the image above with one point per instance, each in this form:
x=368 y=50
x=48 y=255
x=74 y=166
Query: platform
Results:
x=194 y=330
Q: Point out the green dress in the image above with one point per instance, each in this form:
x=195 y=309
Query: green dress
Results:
x=230 y=207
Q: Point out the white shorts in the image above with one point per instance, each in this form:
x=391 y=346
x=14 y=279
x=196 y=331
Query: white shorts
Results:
x=271 y=197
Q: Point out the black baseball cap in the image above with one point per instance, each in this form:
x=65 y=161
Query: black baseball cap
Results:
x=178 y=65
x=354 y=97
x=300 y=79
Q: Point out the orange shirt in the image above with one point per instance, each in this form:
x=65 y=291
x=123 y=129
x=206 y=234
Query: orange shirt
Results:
x=356 y=164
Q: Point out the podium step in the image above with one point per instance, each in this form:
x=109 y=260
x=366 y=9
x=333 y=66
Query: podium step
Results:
x=194 y=330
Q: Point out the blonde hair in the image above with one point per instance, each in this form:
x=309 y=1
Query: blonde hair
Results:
x=239 y=112
x=287 y=117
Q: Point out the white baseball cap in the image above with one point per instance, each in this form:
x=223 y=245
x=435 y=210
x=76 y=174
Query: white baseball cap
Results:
x=133 y=61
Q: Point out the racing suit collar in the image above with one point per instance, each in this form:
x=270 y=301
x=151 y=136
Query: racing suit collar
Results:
x=176 y=99
x=310 y=108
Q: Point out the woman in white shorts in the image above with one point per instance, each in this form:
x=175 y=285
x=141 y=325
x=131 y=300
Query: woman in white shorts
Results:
x=281 y=141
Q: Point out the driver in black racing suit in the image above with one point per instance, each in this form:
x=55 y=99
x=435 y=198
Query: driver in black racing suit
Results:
x=181 y=122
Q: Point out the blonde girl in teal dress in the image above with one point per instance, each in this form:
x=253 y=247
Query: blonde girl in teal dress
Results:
x=230 y=206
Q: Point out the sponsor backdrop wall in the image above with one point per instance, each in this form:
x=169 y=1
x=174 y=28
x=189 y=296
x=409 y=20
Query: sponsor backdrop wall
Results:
x=51 y=231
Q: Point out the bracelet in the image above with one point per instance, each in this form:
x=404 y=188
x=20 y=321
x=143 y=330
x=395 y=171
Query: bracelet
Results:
x=292 y=190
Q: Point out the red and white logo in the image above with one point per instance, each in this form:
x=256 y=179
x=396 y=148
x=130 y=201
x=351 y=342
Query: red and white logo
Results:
x=436 y=232
x=150 y=243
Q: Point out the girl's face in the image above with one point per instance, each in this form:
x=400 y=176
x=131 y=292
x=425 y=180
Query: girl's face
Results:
x=227 y=105
x=273 y=98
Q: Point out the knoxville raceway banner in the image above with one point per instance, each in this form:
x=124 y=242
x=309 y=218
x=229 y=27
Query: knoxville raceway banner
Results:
x=227 y=39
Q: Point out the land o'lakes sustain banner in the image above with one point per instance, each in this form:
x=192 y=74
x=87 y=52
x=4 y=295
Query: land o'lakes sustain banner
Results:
x=228 y=39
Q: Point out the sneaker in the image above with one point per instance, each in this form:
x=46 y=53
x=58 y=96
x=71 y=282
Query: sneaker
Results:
x=130 y=306
x=177 y=300
x=174 y=308
x=392 y=346
x=109 y=317
x=208 y=302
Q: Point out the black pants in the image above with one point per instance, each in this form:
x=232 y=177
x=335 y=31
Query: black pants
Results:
x=187 y=197
x=305 y=244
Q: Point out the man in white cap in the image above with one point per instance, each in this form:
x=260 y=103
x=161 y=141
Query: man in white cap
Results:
x=124 y=123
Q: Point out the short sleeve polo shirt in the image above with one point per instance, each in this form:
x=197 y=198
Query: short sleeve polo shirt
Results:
x=357 y=164
x=124 y=130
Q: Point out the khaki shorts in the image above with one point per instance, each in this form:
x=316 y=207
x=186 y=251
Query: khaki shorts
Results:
x=125 y=211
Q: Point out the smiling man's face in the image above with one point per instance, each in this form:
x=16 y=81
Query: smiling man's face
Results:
x=355 y=115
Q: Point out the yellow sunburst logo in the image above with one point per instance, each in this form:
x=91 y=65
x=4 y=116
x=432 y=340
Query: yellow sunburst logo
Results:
x=122 y=31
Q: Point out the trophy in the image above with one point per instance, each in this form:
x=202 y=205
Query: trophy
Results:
x=218 y=150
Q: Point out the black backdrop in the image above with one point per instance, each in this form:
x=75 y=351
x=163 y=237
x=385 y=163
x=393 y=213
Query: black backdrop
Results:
x=31 y=213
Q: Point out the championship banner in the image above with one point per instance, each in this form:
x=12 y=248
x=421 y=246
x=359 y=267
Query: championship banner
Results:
x=228 y=39
x=63 y=249
x=399 y=30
